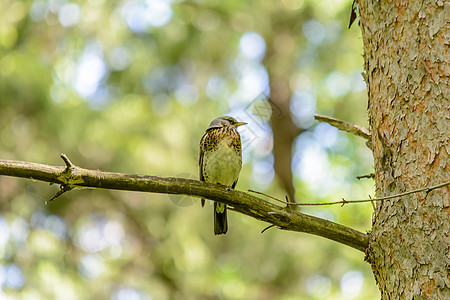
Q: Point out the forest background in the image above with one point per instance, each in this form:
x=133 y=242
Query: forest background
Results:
x=130 y=87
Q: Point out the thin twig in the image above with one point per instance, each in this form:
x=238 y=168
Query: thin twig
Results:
x=371 y=175
x=268 y=227
x=373 y=203
x=345 y=126
x=271 y=197
x=67 y=161
x=63 y=188
x=70 y=167
x=343 y=201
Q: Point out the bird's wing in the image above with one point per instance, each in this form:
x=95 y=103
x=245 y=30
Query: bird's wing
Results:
x=200 y=163
x=200 y=160
x=239 y=148
x=234 y=184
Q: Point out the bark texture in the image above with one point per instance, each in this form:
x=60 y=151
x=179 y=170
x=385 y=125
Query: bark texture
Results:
x=407 y=69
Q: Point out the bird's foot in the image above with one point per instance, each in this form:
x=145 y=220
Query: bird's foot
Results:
x=227 y=187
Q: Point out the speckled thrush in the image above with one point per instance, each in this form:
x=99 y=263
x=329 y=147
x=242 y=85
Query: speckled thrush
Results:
x=221 y=161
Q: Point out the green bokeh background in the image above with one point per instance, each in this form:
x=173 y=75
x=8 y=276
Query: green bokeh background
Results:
x=130 y=86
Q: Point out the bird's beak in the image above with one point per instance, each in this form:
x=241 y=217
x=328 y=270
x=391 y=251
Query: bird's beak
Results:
x=240 y=123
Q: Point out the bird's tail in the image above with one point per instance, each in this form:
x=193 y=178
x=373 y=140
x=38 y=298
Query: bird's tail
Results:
x=220 y=218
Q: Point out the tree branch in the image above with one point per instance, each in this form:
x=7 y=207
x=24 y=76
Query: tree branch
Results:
x=345 y=126
x=343 y=201
x=284 y=218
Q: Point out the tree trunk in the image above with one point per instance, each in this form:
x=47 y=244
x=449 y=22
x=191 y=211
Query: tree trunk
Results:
x=407 y=72
x=281 y=61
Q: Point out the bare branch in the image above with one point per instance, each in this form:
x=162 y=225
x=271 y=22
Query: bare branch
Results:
x=242 y=202
x=70 y=167
x=268 y=227
x=345 y=126
x=343 y=201
x=63 y=188
x=371 y=175
x=69 y=164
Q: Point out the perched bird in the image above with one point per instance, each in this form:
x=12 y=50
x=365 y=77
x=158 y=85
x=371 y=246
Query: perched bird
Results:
x=221 y=161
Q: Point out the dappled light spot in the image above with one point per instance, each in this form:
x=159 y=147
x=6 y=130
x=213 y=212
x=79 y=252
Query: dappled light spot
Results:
x=38 y=11
x=69 y=14
x=19 y=230
x=11 y=276
x=51 y=223
x=56 y=283
x=139 y=15
x=59 y=93
x=310 y=162
x=326 y=135
x=314 y=31
x=91 y=265
x=89 y=72
x=96 y=234
x=351 y=284
x=113 y=232
x=101 y=98
x=56 y=225
x=252 y=81
x=63 y=71
x=4 y=231
x=338 y=84
x=164 y=79
x=358 y=83
x=325 y=214
x=252 y=46
x=300 y=83
x=256 y=136
x=161 y=104
x=134 y=14
x=233 y=289
x=318 y=286
x=186 y=94
x=217 y=88
x=119 y=58
x=159 y=12
x=303 y=107
x=262 y=173
x=129 y=294
x=262 y=142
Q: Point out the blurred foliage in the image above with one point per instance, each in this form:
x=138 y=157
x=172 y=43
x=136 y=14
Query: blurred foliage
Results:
x=129 y=86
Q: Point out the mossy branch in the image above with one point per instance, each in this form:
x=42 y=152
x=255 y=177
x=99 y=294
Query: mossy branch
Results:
x=282 y=217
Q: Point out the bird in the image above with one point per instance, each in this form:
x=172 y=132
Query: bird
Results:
x=220 y=162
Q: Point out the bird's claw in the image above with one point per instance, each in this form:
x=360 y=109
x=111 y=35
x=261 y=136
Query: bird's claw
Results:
x=228 y=188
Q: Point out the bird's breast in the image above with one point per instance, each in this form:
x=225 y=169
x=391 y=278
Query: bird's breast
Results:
x=222 y=164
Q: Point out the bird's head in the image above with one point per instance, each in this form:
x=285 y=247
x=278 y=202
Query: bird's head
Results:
x=223 y=122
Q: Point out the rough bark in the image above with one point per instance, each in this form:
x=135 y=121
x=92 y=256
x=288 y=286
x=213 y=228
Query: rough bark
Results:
x=407 y=71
